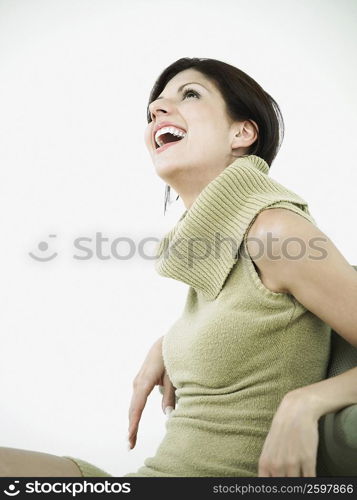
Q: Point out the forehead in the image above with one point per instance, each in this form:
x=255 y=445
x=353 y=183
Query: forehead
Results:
x=186 y=76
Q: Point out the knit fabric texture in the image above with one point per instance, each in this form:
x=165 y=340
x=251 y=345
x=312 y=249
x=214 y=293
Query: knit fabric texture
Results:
x=238 y=347
x=88 y=470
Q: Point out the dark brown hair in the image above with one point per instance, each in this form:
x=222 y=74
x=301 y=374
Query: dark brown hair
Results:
x=245 y=100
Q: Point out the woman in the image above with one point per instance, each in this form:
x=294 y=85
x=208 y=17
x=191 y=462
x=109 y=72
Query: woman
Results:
x=243 y=368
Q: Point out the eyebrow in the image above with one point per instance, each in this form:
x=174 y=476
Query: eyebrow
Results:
x=184 y=85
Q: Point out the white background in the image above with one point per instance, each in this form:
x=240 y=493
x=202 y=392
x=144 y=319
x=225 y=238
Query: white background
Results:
x=75 y=77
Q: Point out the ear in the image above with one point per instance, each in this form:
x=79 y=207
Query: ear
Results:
x=245 y=134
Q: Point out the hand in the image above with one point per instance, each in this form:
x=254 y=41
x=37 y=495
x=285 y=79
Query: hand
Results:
x=290 y=448
x=151 y=373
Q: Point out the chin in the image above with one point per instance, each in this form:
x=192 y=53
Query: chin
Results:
x=168 y=169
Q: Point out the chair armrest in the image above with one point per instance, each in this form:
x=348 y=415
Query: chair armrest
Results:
x=337 y=452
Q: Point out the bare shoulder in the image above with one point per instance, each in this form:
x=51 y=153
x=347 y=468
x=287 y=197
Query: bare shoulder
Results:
x=278 y=219
x=281 y=222
x=275 y=230
x=294 y=256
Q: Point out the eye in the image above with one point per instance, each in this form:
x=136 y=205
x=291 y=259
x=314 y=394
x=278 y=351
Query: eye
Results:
x=190 y=91
x=185 y=93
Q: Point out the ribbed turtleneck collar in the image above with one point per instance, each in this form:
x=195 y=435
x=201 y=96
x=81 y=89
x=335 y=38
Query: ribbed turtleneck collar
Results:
x=202 y=247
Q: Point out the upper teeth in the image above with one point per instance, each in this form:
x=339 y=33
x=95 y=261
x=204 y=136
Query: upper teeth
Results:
x=165 y=130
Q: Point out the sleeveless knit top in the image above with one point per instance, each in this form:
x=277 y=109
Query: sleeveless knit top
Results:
x=237 y=347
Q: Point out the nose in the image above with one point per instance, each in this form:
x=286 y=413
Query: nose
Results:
x=159 y=106
x=156 y=110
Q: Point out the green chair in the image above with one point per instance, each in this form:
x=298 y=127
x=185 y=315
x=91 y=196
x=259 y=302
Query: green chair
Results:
x=337 y=451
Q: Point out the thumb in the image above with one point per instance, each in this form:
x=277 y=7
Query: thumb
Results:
x=168 y=399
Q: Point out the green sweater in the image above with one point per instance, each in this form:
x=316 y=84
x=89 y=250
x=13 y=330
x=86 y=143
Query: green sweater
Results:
x=237 y=347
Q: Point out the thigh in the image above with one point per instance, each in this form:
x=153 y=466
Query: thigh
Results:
x=26 y=463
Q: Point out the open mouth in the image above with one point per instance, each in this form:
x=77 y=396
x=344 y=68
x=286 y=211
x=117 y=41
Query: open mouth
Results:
x=167 y=139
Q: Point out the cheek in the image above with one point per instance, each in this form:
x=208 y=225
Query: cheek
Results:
x=147 y=137
x=206 y=125
x=207 y=134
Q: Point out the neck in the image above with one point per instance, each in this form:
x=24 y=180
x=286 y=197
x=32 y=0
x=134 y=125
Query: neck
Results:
x=191 y=184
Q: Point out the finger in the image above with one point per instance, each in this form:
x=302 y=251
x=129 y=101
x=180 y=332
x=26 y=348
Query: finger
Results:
x=263 y=471
x=134 y=420
x=168 y=393
x=293 y=469
x=263 y=464
x=276 y=469
x=309 y=468
x=137 y=405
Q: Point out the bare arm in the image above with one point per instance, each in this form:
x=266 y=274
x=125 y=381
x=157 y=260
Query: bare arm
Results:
x=310 y=267
x=151 y=373
x=326 y=284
